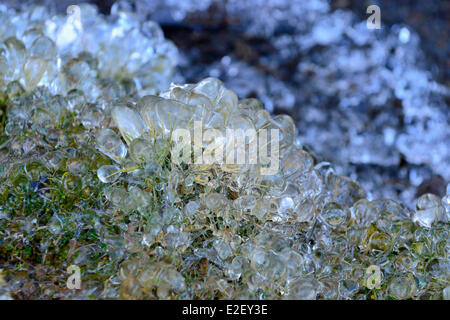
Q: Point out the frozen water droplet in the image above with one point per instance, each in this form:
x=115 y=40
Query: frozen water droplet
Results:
x=235 y=268
x=286 y=204
x=209 y=87
x=305 y=210
x=92 y=117
x=141 y=150
x=334 y=215
x=401 y=287
x=364 y=212
x=108 y=173
x=223 y=249
x=215 y=201
x=33 y=70
x=446 y=293
x=429 y=209
x=302 y=289
x=110 y=144
x=129 y=122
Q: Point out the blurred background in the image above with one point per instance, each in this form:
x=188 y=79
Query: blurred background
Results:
x=374 y=103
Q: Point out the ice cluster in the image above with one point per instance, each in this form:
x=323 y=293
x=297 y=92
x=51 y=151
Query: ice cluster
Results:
x=84 y=51
x=302 y=233
x=373 y=91
x=89 y=180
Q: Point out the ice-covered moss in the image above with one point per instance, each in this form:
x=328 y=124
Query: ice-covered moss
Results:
x=88 y=178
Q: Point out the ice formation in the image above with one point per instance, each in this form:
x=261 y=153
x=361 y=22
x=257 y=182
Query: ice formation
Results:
x=374 y=91
x=88 y=179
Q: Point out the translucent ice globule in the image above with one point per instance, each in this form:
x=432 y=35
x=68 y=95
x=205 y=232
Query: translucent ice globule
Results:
x=59 y=50
x=110 y=144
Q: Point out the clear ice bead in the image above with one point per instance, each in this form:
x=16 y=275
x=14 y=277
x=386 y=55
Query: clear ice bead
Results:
x=429 y=209
x=223 y=249
x=402 y=287
x=334 y=215
x=302 y=289
x=141 y=150
x=109 y=143
x=129 y=122
x=108 y=173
